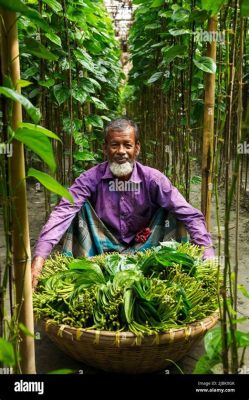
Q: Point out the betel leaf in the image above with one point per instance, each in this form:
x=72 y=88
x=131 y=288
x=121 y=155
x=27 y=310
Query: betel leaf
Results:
x=50 y=183
x=46 y=82
x=205 y=64
x=14 y=5
x=7 y=354
x=61 y=93
x=25 y=330
x=155 y=77
x=213 y=343
x=180 y=15
x=94 y=120
x=54 y=5
x=84 y=156
x=40 y=129
x=177 y=32
x=37 y=49
x=169 y=53
x=38 y=143
x=79 y=95
x=212 y=5
x=244 y=8
x=242 y=339
x=54 y=38
x=32 y=111
x=157 y=3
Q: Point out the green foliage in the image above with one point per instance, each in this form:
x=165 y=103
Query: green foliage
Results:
x=7 y=353
x=116 y=291
x=71 y=56
x=50 y=183
x=32 y=111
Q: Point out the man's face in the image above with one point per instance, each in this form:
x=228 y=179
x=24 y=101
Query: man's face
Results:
x=121 y=146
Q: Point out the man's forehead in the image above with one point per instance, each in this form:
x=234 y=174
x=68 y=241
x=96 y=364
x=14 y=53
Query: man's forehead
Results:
x=127 y=134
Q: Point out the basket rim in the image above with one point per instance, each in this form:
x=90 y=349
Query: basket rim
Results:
x=184 y=331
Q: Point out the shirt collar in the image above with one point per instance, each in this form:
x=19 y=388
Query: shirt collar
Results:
x=134 y=176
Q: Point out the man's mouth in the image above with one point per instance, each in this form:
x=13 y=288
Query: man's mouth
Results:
x=121 y=160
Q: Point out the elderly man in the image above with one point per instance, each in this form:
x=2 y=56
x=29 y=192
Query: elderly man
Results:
x=119 y=205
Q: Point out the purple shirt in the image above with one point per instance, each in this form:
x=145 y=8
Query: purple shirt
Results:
x=124 y=212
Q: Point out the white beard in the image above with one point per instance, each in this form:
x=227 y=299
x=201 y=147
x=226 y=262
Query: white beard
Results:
x=121 y=169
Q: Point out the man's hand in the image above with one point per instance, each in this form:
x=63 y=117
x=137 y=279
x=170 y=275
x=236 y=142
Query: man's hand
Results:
x=36 y=268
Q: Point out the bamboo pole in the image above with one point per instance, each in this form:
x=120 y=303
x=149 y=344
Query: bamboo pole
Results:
x=20 y=228
x=208 y=130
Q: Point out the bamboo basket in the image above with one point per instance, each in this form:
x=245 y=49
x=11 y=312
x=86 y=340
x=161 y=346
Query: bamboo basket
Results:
x=124 y=352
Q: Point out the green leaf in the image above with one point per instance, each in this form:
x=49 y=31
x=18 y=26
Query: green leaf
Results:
x=79 y=95
x=205 y=64
x=61 y=93
x=54 y=5
x=25 y=330
x=244 y=8
x=169 y=53
x=7 y=355
x=157 y=3
x=94 y=120
x=212 y=5
x=47 y=83
x=156 y=25
x=32 y=111
x=180 y=15
x=177 y=32
x=213 y=343
x=98 y=103
x=204 y=365
x=37 y=49
x=155 y=77
x=14 y=5
x=243 y=290
x=54 y=38
x=51 y=184
x=62 y=371
x=22 y=83
x=242 y=339
x=38 y=143
x=40 y=129
x=83 y=156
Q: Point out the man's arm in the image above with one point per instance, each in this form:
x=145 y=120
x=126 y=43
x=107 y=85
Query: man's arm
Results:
x=170 y=198
x=59 y=221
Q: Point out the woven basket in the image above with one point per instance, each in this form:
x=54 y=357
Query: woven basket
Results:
x=124 y=352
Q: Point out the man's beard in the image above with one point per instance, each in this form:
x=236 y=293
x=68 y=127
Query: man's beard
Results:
x=121 y=169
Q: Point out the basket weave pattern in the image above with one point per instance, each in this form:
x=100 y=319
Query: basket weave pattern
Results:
x=124 y=352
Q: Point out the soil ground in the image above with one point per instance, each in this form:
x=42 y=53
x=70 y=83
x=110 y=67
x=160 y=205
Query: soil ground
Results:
x=49 y=357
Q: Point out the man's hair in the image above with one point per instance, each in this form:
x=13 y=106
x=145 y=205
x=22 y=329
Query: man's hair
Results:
x=121 y=124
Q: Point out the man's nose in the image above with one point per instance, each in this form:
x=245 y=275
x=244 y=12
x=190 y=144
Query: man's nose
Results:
x=121 y=149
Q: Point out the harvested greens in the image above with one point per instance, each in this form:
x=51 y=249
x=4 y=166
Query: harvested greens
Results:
x=165 y=287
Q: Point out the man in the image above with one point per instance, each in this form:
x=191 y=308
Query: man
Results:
x=120 y=205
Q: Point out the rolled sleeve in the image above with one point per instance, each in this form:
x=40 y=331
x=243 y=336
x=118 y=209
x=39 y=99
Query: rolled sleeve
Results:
x=171 y=199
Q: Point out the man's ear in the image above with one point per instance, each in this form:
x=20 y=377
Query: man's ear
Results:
x=137 y=148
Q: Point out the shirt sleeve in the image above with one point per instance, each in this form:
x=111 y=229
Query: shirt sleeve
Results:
x=62 y=216
x=168 y=197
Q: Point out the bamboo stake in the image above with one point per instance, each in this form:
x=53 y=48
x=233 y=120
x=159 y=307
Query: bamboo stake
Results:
x=20 y=228
x=208 y=130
